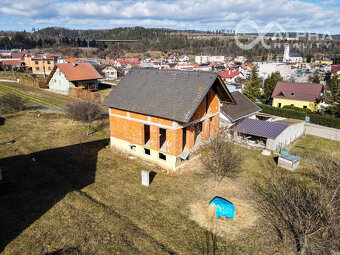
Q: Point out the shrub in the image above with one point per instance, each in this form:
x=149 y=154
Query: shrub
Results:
x=302 y=211
x=11 y=102
x=323 y=120
x=84 y=111
x=297 y=109
x=221 y=158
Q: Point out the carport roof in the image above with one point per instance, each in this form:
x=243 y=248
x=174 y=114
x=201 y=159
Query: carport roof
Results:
x=260 y=128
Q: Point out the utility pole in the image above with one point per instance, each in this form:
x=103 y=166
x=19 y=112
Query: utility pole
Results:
x=42 y=60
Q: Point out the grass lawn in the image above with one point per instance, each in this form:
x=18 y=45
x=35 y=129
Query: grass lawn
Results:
x=36 y=97
x=65 y=190
x=11 y=75
x=105 y=92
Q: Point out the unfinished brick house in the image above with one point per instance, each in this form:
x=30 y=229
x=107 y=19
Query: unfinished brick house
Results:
x=161 y=115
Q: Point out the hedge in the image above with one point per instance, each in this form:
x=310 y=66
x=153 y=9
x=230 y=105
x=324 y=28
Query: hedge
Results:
x=323 y=120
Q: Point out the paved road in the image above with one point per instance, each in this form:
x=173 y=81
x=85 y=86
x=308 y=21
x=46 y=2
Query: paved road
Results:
x=8 y=80
x=324 y=132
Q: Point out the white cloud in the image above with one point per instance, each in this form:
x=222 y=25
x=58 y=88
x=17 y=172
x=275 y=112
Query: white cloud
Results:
x=199 y=14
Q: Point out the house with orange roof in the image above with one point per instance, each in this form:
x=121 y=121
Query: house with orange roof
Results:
x=73 y=75
x=12 y=64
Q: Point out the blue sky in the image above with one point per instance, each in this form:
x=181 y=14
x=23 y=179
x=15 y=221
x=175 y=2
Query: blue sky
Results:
x=291 y=15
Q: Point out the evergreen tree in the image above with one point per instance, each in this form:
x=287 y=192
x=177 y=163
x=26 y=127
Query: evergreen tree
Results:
x=269 y=84
x=316 y=79
x=335 y=87
x=252 y=87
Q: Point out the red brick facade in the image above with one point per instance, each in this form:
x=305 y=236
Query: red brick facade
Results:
x=130 y=127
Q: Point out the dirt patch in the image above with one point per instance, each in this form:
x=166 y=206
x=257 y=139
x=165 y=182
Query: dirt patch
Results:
x=234 y=190
x=205 y=216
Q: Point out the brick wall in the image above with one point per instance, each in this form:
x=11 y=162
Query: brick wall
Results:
x=190 y=137
x=174 y=141
x=154 y=138
x=127 y=130
x=205 y=130
x=133 y=131
x=214 y=125
x=201 y=111
x=213 y=103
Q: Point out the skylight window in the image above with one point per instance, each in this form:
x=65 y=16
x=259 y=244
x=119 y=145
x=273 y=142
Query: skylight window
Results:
x=292 y=94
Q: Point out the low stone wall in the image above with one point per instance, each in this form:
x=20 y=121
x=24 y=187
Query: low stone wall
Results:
x=321 y=131
x=86 y=95
x=33 y=82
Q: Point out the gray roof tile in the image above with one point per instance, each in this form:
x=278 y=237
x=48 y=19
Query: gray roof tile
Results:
x=170 y=94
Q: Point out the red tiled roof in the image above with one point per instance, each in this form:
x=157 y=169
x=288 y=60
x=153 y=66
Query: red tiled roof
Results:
x=19 y=54
x=229 y=74
x=79 y=72
x=11 y=62
x=335 y=69
x=71 y=60
x=298 y=91
x=131 y=61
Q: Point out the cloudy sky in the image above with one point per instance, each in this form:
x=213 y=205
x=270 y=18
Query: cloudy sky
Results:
x=292 y=15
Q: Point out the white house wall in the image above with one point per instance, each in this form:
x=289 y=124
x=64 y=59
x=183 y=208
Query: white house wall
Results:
x=290 y=134
x=59 y=81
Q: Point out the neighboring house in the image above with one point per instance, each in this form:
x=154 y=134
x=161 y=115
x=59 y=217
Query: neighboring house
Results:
x=171 y=59
x=184 y=58
x=230 y=76
x=208 y=59
x=127 y=63
x=302 y=95
x=335 y=69
x=243 y=108
x=162 y=115
x=291 y=57
x=5 y=55
x=150 y=65
x=39 y=64
x=13 y=64
x=266 y=134
x=92 y=62
x=110 y=72
x=20 y=54
x=266 y=69
x=75 y=75
x=240 y=59
x=324 y=61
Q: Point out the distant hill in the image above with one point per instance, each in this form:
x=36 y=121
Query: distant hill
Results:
x=164 y=40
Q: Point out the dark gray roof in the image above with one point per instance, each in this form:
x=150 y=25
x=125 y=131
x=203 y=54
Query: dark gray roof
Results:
x=243 y=107
x=260 y=128
x=295 y=55
x=170 y=94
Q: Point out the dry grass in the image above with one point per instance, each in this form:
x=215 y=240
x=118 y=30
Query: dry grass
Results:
x=89 y=199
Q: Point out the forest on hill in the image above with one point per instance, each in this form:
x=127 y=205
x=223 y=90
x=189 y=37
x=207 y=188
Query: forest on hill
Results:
x=154 y=39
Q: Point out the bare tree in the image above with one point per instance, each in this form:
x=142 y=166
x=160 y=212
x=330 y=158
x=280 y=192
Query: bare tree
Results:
x=84 y=111
x=303 y=211
x=221 y=157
